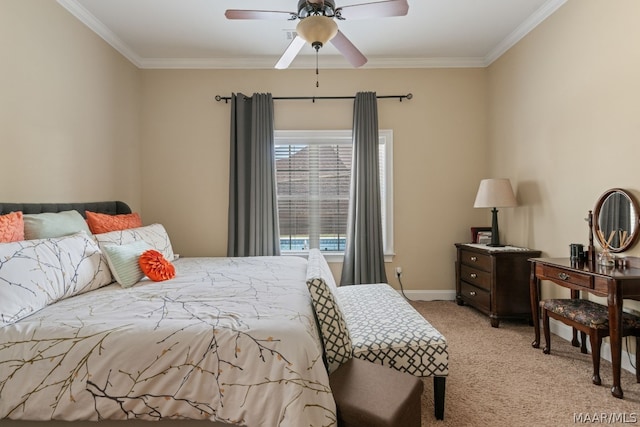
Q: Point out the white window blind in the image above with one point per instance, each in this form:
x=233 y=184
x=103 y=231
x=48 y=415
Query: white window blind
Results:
x=313 y=174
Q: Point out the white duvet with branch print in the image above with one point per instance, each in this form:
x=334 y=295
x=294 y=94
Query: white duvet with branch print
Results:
x=229 y=339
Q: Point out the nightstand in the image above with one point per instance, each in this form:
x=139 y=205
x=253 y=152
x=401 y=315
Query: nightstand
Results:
x=494 y=280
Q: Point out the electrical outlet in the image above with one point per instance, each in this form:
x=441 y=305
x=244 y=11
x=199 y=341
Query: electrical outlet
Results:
x=398 y=271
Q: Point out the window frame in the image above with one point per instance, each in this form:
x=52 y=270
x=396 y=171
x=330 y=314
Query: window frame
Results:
x=283 y=137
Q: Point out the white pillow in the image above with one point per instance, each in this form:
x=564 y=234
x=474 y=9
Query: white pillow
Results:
x=153 y=234
x=50 y=224
x=36 y=273
x=123 y=261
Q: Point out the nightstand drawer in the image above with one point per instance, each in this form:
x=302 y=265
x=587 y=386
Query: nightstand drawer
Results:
x=474 y=296
x=475 y=277
x=481 y=261
x=571 y=277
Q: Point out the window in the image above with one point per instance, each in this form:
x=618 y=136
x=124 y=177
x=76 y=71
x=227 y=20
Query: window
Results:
x=313 y=174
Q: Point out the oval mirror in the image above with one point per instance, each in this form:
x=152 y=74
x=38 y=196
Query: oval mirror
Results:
x=615 y=220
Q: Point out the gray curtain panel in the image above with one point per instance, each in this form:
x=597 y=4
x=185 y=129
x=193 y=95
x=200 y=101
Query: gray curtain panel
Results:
x=364 y=256
x=253 y=209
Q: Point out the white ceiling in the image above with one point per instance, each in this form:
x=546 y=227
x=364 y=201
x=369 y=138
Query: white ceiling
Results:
x=196 y=34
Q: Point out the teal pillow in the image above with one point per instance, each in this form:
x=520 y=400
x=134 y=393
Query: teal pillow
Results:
x=123 y=261
x=50 y=225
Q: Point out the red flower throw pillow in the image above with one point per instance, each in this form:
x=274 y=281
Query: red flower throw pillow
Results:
x=154 y=265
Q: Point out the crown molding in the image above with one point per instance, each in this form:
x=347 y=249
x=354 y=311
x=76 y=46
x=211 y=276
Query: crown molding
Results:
x=523 y=29
x=87 y=18
x=308 y=62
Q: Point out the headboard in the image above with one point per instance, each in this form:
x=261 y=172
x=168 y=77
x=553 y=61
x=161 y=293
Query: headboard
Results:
x=112 y=208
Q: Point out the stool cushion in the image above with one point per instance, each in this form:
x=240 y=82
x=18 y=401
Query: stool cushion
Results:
x=587 y=313
x=371 y=395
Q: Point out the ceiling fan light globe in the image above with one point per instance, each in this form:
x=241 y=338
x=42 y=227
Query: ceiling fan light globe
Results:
x=317 y=29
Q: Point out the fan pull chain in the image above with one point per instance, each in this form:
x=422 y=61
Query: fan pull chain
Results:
x=317 y=72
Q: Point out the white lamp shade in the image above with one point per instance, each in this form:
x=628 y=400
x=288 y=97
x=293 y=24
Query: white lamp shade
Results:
x=317 y=29
x=495 y=193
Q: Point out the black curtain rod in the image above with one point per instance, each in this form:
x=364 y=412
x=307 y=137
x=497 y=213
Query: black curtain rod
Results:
x=313 y=98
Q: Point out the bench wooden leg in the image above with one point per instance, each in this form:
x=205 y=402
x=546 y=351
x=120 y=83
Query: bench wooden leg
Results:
x=583 y=339
x=439 y=385
x=596 y=343
x=574 y=340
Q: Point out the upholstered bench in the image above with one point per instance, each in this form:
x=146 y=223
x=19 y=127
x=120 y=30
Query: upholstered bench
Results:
x=591 y=319
x=385 y=329
x=370 y=395
x=374 y=323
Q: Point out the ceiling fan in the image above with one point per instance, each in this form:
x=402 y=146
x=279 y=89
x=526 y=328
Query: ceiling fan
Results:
x=317 y=25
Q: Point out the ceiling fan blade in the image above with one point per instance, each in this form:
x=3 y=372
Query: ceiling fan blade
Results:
x=348 y=50
x=290 y=53
x=259 y=14
x=379 y=9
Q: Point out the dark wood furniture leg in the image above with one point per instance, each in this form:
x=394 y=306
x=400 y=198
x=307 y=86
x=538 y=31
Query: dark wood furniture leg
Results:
x=439 y=384
x=574 y=339
x=547 y=331
x=614 y=302
x=534 y=290
x=638 y=357
x=596 y=344
x=583 y=340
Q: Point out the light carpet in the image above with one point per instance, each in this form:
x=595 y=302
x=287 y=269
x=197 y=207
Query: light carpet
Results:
x=496 y=378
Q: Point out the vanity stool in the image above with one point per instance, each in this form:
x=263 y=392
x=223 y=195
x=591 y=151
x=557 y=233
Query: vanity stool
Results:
x=372 y=395
x=591 y=319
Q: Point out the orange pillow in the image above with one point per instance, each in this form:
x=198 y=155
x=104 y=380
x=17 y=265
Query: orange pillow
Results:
x=11 y=227
x=155 y=266
x=104 y=223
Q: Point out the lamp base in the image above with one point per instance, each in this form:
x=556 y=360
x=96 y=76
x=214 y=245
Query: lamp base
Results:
x=495 y=233
x=496 y=245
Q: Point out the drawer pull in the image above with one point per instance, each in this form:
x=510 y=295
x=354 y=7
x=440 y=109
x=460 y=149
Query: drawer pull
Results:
x=563 y=276
x=474 y=258
x=472 y=293
x=473 y=275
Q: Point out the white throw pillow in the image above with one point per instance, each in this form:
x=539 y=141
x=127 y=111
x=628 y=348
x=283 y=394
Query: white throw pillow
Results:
x=153 y=234
x=36 y=273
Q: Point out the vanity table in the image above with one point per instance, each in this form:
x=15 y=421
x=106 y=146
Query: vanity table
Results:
x=615 y=223
x=615 y=284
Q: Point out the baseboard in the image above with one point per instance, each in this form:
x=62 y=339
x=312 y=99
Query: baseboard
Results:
x=422 y=295
x=565 y=332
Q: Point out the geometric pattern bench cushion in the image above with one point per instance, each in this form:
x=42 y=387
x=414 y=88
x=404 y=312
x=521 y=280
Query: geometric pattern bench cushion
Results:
x=588 y=313
x=386 y=330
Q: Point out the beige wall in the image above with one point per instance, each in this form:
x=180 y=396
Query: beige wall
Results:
x=564 y=121
x=439 y=153
x=557 y=114
x=69 y=110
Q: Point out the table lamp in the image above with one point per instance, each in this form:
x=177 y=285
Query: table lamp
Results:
x=495 y=193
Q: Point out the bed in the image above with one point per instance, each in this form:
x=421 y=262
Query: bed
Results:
x=228 y=340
